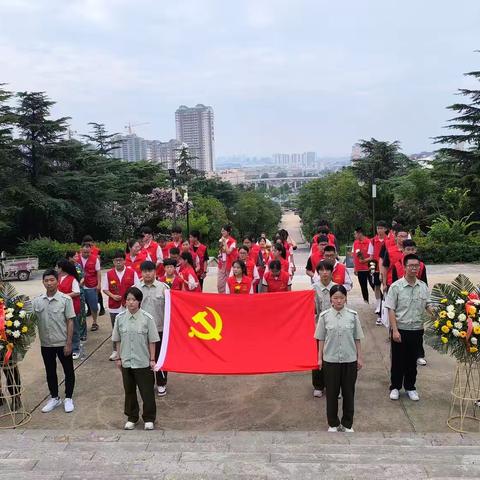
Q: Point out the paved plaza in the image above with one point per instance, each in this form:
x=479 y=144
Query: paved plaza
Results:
x=256 y=422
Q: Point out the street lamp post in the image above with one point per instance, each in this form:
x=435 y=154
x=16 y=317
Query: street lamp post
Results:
x=374 y=196
x=173 y=176
x=185 y=199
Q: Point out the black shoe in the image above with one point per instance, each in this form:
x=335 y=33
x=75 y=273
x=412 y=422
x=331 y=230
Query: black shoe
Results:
x=102 y=312
x=83 y=339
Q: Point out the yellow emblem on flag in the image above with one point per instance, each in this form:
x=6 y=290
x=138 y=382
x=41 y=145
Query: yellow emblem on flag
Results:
x=212 y=332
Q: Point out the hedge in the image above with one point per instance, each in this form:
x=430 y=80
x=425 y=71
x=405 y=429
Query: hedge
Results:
x=49 y=251
x=451 y=252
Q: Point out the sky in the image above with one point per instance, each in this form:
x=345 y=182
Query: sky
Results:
x=281 y=75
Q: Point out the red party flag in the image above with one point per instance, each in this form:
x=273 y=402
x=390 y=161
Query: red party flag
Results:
x=238 y=334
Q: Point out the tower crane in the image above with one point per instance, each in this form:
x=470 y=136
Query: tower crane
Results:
x=130 y=126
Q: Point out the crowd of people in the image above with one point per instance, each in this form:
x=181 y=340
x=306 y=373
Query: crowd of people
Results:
x=135 y=290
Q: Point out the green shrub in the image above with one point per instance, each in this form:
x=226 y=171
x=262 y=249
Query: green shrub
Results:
x=49 y=251
x=432 y=251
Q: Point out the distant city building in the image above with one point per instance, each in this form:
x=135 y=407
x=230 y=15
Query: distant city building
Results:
x=132 y=148
x=306 y=160
x=195 y=127
x=165 y=153
x=357 y=152
x=234 y=175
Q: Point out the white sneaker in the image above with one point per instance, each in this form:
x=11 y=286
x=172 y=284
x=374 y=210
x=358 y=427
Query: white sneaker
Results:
x=394 y=394
x=413 y=395
x=318 y=393
x=68 y=405
x=161 y=391
x=378 y=322
x=421 y=361
x=348 y=430
x=114 y=356
x=130 y=425
x=332 y=429
x=75 y=355
x=149 y=426
x=51 y=405
x=339 y=395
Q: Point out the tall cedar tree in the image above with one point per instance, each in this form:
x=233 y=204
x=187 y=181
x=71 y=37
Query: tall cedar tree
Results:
x=185 y=170
x=103 y=141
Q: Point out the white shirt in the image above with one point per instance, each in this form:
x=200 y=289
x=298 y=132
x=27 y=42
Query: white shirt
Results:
x=84 y=261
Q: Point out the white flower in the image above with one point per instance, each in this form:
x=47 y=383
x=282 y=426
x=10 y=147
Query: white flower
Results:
x=455 y=332
x=8 y=315
x=16 y=323
x=16 y=334
x=8 y=331
x=22 y=313
x=475 y=324
x=451 y=315
x=462 y=317
x=460 y=301
x=1 y=346
x=450 y=308
x=9 y=310
x=458 y=325
x=473 y=340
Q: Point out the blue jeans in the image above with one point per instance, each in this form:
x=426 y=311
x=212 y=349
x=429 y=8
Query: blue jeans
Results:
x=77 y=333
x=91 y=298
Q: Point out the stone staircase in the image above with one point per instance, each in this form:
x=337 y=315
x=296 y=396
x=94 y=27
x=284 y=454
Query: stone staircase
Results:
x=82 y=454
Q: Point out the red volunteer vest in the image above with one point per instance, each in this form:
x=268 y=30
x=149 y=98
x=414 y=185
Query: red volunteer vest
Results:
x=394 y=255
x=152 y=251
x=331 y=239
x=118 y=287
x=186 y=271
x=231 y=257
x=201 y=250
x=243 y=286
x=338 y=275
x=91 y=280
x=253 y=253
x=279 y=284
x=363 y=247
x=315 y=258
x=142 y=255
x=174 y=283
x=65 y=286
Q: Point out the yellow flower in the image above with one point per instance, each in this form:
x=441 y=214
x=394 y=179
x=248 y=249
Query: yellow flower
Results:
x=476 y=330
x=442 y=314
x=19 y=304
x=444 y=300
x=473 y=349
x=436 y=324
x=8 y=323
x=449 y=324
x=471 y=310
x=24 y=329
x=463 y=334
x=444 y=339
x=464 y=292
x=445 y=329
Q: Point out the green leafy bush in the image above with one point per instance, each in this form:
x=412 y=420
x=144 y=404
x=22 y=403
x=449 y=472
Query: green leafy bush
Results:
x=432 y=251
x=49 y=251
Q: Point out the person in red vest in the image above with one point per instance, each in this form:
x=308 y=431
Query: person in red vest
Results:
x=253 y=248
x=251 y=268
x=276 y=279
x=289 y=245
x=171 y=277
x=201 y=251
x=315 y=256
x=340 y=273
x=239 y=282
x=115 y=283
x=152 y=248
x=92 y=281
x=69 y=284
x=324 y=229
x=391 y=254
x=163 y=244
x=95 y=251
x=263 y=257
x=279 y=253
x=374 y=249
x=177 y=238
x=185 y=247
x=360 y=262
x=136 y=256
x=226 y=255
x=187 y=273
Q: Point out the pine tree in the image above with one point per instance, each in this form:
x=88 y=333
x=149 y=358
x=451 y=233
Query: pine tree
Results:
x=104 y=142
x=185 y=170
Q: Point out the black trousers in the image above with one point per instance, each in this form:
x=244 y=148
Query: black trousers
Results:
x=49 y=355
x=344 y=376
x=160 y=376
x=365 y=279
x=144 y=380
x=403 y=370
x=318 y=380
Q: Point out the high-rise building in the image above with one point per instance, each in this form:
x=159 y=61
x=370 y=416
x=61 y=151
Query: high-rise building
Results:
x=195 y=127
x=165 y=153
x=307 y=160
x=132 y=148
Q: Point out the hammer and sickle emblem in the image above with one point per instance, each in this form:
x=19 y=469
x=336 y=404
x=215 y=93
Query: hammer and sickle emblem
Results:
x=213 y=332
